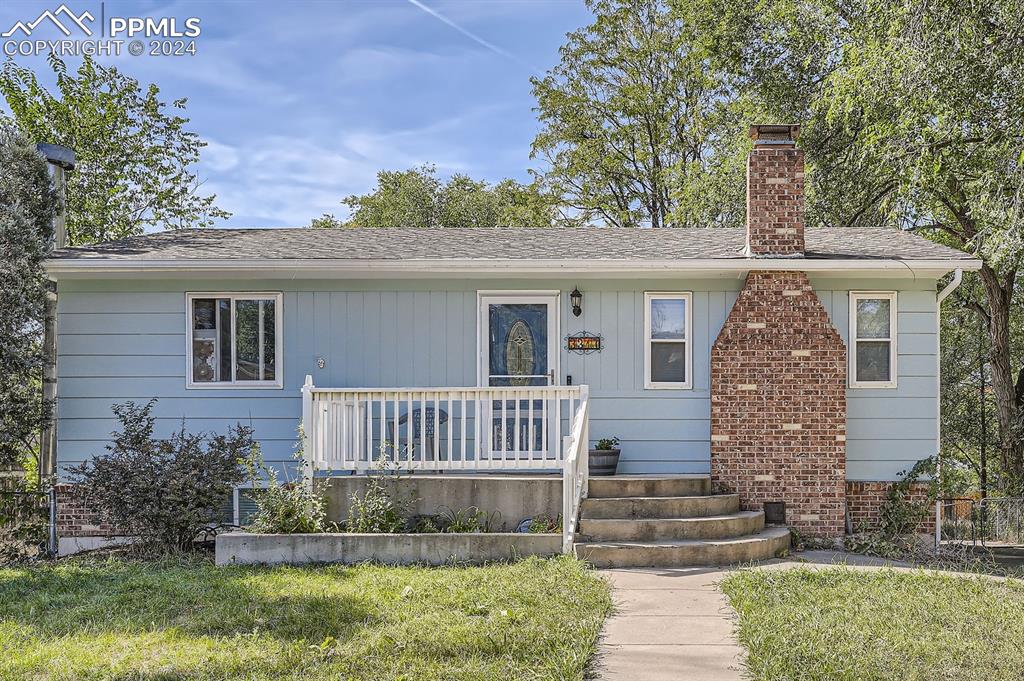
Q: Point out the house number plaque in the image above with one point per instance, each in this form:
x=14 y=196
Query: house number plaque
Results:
x=583 y=343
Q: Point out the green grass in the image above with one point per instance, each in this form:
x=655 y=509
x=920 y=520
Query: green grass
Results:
x=113 y=619
x=841 y=624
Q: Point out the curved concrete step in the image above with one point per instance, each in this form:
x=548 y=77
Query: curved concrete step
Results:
x=768 y=543
x=649 y=486
x=656 y=529
x=660 y=507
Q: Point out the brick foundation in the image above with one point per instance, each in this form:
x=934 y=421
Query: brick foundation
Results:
x=778 y=403
x=864 y=501
x=74 y=519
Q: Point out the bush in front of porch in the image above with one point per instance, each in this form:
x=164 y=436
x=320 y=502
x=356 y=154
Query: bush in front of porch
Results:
x=164 y=492
x=186 y=619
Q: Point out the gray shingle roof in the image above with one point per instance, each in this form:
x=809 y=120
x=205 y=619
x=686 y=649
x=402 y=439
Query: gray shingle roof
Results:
x=496 y=244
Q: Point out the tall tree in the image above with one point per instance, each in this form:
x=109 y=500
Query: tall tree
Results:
x=636 y=131
x=134 y=159
x=418 y=198
x=913 y=116
x=27 y=206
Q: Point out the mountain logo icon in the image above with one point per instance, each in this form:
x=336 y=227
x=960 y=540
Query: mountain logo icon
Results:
x=54 y=18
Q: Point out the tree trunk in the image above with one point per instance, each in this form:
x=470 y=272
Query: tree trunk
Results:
x=1003 y=385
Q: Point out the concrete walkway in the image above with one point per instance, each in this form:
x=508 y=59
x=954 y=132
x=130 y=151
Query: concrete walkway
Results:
x=669 y=623
x=674 y=623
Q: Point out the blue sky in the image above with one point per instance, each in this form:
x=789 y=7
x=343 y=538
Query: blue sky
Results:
x=303 y=102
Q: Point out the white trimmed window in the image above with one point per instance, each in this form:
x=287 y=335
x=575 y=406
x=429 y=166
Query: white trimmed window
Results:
x=668 y=352
x=234 y=339
x=872 y=339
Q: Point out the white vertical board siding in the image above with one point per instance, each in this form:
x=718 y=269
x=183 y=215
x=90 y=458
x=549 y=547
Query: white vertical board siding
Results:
x=890 y=429
x=125 y=340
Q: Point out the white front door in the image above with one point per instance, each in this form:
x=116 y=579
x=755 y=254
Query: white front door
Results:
x=518 y=347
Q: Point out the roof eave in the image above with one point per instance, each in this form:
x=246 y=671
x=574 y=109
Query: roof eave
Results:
x=371 y=269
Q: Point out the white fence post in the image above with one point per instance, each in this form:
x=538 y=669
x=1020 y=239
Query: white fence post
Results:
x=585 y=447
x=568 y=494
x=307 y=440
x=938 y=524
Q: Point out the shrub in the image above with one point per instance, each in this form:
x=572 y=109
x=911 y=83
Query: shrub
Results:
x=24 y=525
x=164 y=492
x=900 y=514
x=606 y=444
x=467 y=520
x=544 y=524
x=288 y=508
x=377 y=510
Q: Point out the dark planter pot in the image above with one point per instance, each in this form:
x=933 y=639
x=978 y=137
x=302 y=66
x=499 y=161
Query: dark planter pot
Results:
x=603 y=461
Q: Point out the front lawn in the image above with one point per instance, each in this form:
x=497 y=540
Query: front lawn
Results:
x=841 y=624
x=536 y=619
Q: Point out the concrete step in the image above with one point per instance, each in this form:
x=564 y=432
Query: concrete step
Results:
x=649 y=486
x=656 y=529
x=768 y=543
x=660 y=507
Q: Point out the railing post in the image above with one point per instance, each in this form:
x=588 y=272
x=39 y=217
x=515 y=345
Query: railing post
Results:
x=52 y=547
x=568 y=494
x=938 y=524
x=585 y=445
x=307 y=438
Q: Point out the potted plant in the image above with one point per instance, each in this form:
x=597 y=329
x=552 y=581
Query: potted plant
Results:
x=604 y=457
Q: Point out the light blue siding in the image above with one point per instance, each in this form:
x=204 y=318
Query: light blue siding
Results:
x=889 y=429
x=125 y=340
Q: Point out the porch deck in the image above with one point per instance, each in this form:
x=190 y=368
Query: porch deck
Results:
x=496 y=429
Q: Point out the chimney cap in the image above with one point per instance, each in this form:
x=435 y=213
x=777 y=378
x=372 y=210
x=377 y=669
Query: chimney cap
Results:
x=775 y=133
x=57 y=155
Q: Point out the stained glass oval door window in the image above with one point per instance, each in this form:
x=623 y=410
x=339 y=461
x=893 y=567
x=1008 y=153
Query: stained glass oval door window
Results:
x=519 y=357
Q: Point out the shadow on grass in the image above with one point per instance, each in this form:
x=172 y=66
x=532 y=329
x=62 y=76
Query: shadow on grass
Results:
x=193 y=598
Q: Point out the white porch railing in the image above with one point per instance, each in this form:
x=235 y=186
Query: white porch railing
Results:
x=462 y=429
x=576 y=470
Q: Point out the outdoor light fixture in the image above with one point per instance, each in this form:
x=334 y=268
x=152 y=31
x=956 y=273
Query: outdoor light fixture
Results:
x=576 y=298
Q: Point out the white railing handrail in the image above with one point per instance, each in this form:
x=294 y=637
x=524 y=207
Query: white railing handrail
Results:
x=460 y=428
x=575 y=470
x=468 y=428
x=560 y=389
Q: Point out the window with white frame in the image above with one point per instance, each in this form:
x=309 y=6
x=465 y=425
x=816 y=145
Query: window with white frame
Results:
x=872 y=339
x=667 y=343
x=234 y=339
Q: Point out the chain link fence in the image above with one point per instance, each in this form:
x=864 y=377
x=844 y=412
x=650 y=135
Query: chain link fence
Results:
x=994 y=521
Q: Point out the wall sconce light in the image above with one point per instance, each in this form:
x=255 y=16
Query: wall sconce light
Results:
x=576 y=298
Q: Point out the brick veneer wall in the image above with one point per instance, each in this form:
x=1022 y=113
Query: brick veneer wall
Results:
x=778 y=403
x=864 y=501
x=775 y=195
x=74 y=519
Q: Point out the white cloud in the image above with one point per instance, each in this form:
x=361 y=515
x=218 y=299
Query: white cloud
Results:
x=219 y=157
x=289 y=180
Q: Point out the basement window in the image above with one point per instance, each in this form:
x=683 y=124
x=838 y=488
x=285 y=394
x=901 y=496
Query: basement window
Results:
x=668 y=352
x=872 y=339
x=234 y=340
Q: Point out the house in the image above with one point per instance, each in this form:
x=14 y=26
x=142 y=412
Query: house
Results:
x=776 y=363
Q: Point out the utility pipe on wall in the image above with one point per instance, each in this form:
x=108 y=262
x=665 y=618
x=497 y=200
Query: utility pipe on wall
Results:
x=958 y=276
x=61 y=160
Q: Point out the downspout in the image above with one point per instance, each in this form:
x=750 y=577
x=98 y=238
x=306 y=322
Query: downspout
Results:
x=958 y=276
x=60 y=159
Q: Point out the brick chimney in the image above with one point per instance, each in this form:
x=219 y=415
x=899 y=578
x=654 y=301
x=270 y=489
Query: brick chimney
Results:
x=775 y=193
